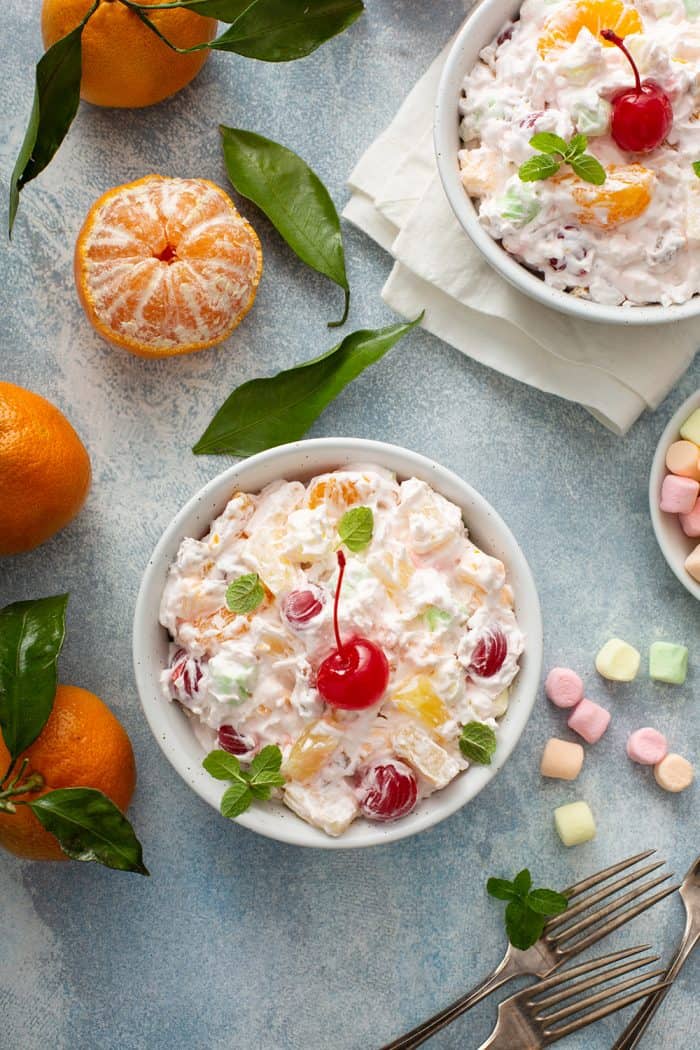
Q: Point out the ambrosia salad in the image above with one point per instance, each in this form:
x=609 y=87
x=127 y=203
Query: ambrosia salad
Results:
x=384 y=707
x=561 y=69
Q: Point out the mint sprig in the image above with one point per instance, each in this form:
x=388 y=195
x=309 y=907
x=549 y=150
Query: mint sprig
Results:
x=478 y=743
x=245 y=594
x=528 y=910
x=555 y=151
x=696 y=167
x=256 y=782
x=356 y=527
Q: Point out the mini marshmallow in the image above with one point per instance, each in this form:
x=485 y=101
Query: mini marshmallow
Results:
x=674 y=773
x=589 y=720
x=691 y=428
x=574 y=823
x=561 y=759
x=678 y=495
x=692 y=563
x=618 y=661
x=690 y=523
x=647 y=746
x=668 y=663
x=683 y=458
x=564 y=687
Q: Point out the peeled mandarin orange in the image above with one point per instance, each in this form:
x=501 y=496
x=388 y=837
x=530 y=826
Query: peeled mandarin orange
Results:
x=81 y=745
x=44 y=470
x=562 y=28
x=625 y=195
x=124 y=63
x=166 y=266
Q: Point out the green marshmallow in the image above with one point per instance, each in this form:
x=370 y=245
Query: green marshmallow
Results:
x=668 y=663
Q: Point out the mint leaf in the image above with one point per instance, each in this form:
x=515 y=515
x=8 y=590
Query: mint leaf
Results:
x=589 y=169
x=501 y=889
x=266 y=412
x=223 y=766
x=89 y=827
x=478 y=743
x=31 y=636
x=245 y=594
x=435 y=617
x=355 y=528
x=696 y=167
x=547 y=902
x=522 y=882
x=538 y=167
x=546 y=142
x=236 y=800
x=576 y=147
x=523 y=926
x=268 y=761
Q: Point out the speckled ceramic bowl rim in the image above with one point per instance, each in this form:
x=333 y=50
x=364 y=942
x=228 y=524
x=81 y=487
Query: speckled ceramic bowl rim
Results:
x=304 y=459
x=480 y=28
x=675 y=545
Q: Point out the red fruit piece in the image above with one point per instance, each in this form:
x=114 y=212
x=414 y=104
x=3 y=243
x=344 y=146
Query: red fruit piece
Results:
x=185 y=674
x=489 y=653
x=387 y=791
x=642 y=115
x=299 y=607
x=234 y=742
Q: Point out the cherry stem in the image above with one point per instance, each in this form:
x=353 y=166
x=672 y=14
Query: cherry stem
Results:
x=341 y=573
x=613 y=38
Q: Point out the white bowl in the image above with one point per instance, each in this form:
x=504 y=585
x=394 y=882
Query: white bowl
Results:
x=675 y=545
x=482 y=27
x=303 y=460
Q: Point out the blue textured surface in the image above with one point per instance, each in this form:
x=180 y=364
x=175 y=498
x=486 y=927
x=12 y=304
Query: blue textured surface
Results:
x=236 y=940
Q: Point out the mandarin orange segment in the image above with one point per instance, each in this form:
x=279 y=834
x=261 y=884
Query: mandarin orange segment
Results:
x=562 y=29
x=625 y=195
x=339 y=492
x=166 y=266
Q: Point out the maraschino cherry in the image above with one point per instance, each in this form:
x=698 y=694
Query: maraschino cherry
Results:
x=642 y=115
x=356 y=674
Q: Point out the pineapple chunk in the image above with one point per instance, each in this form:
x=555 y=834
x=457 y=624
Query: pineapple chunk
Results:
x=479 y=170
x=433 y=763
x=311 y=751
x=333 y=808
x=416 y=696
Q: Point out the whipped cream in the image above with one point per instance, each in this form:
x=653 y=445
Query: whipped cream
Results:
x=421 y=590
x=634 y=240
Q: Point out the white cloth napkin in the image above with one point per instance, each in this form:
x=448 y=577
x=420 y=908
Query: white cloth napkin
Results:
x=397 y=198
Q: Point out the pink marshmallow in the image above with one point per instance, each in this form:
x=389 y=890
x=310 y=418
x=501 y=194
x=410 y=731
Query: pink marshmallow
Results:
x=647 y=746
x=678 y=495
x=589 y=720
x=564 y=687
x=690 y=523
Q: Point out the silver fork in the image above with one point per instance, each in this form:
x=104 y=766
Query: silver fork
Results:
x=561 y=939
x=527 y=1019
x=690 y=892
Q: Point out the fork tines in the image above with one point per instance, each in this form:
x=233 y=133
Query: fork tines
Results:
x=560 y=931
x=539 y=1008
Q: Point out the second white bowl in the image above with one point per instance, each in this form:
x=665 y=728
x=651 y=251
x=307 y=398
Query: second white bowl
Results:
x=302 y=460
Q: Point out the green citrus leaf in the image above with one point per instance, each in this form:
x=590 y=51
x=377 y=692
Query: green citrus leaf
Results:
x=541 y=166
x=547 y=902
x=267 y=412
x=355 y=528
x=281 y=30
x=56 y=101
x=89 y=827
x=236 y=800
x=223 y=766
x=501 y=889
x=478 y=743
x=245 y=594
x=31 y=636
x=546 y=142
x=294 y=199
x=589 y=169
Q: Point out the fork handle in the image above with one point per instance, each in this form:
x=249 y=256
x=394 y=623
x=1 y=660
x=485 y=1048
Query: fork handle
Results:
x=640 y=1022
x=505 y=971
